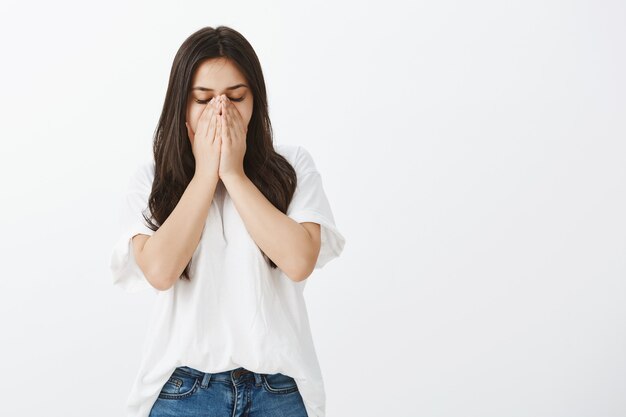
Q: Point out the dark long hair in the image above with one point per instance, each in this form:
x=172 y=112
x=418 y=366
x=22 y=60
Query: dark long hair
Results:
x=174 y=162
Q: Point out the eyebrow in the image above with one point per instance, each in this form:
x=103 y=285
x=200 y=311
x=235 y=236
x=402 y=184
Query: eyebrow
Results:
x=234 y=87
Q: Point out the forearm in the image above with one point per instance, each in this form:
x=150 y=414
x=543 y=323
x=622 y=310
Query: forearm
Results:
x=282 y=239
x=168 y=251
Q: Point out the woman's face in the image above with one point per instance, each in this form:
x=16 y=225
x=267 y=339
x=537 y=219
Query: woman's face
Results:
x=212 y=78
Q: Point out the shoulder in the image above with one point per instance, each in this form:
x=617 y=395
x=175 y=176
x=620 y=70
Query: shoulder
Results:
x=298 y=156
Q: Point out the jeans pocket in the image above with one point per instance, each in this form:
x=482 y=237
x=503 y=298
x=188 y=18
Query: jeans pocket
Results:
x=179 y=385
x=279 y=383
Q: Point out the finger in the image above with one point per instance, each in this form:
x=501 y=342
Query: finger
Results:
x=218 y=128
x=235 y=123
x=204 y=124
x=207 y=109
x=236 y=119
x=228 y=122
x=212 y=127
x=205 y=119
x=218 y=144
x=225 y=132
x=228 y=116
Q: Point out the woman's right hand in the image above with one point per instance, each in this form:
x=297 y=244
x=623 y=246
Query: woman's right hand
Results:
x=206 y=141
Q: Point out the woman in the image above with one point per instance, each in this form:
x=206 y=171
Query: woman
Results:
x=225 y=227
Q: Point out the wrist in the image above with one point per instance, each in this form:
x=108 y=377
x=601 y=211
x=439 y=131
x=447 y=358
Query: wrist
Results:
x=205 y=177
x=233 y=177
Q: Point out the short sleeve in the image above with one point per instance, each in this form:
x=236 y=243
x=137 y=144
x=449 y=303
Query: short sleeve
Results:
x=124 y=268
x=310 y=204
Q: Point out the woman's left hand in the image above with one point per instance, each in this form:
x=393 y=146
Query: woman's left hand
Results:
x=233 y=146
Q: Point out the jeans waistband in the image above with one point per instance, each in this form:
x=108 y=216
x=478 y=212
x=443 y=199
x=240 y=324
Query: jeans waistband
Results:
x=234 y=376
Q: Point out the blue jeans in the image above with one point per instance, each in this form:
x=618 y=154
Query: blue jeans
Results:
x=235 y=393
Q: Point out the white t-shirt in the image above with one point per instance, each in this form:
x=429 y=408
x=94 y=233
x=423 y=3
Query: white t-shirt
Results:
x=236 y=310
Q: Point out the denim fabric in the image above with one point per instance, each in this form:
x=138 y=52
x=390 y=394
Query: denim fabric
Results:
x=235 y=393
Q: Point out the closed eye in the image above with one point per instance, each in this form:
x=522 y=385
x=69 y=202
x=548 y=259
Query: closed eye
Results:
x=231 y=99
